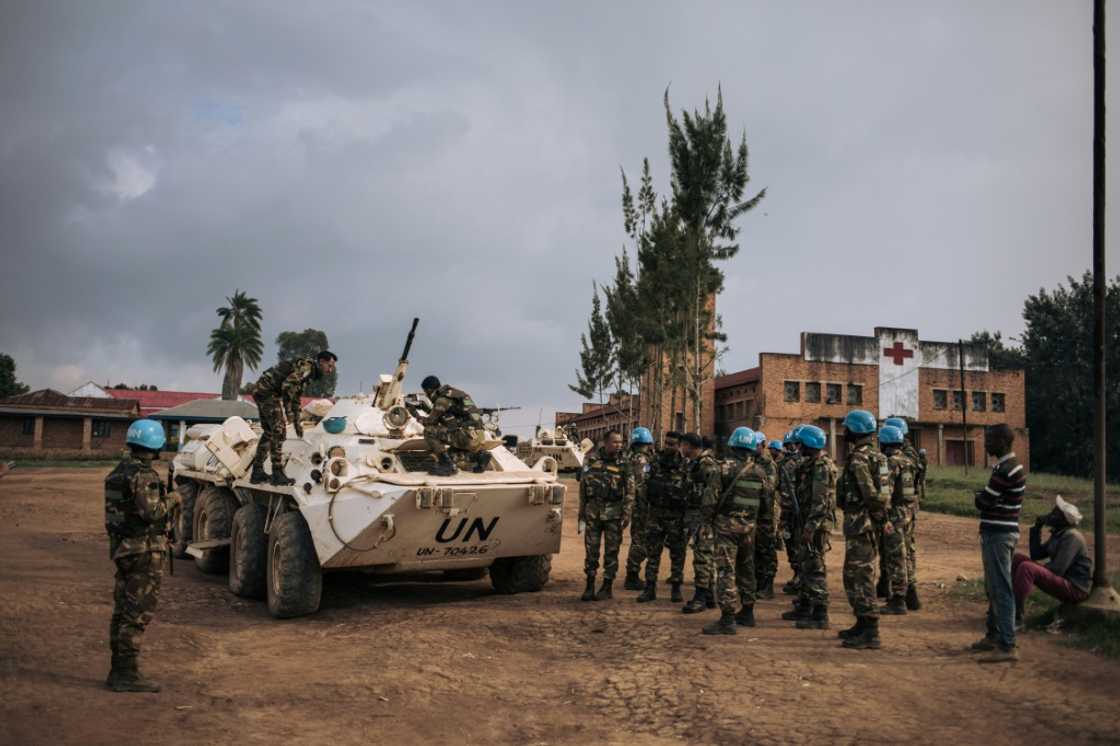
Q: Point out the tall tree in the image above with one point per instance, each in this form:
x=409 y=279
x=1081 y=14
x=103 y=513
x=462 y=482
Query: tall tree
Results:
x=9 y=384
x=236 y=343
x=596 y=357
x=308 y=343
x=1001 y=356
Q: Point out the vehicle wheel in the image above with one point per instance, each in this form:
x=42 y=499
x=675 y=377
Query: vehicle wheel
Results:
x=184 y=526
x=295 y=580
x=213 y=519
x=466 y=573
x=520 y=574
x=248 y=552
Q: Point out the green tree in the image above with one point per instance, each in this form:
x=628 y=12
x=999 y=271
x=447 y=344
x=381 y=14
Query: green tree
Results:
x=308 y=343
x=9 y=385
x=596 y=357
x=1001 y=356
x=236 y=343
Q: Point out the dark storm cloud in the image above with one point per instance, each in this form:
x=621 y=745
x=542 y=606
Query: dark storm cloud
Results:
x=355 y=164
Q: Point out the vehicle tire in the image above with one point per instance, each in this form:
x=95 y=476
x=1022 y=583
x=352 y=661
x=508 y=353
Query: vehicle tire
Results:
x=464 y=574
x=520 y=574
x=184 y=526
x=213 y=519
x=248 y=552
x=295 y=580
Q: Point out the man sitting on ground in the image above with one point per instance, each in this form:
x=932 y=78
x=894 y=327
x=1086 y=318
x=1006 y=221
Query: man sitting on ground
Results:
x=1069 y=573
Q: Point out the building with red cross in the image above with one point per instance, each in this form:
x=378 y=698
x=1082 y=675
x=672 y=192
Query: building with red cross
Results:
x=892 y=373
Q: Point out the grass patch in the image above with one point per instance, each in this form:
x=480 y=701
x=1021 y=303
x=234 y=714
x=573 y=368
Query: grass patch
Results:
x=39 y=463
x=950 y=490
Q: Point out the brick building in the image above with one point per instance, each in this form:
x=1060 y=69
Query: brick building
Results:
x=622 y=412
x=890 y=373
x=48 y=421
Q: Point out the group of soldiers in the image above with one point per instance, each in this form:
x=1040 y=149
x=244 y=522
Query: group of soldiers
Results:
x=737 y=512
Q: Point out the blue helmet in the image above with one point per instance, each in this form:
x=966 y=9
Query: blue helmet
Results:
x=860 y=422
x=146 y=434
x=760 y=435
x=889 y=435
x=811 y=436
x=743 y=437
x=897 y=422
x=641 y=435
x=775 y=445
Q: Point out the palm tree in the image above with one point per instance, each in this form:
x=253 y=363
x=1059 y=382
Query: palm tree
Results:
x=237 y=341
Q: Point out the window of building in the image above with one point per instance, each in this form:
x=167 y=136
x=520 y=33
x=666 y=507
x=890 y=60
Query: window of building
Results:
x=101 y=429
x=940 y=398
x=998 y=402
x=812 y=392
x=855 y=393
x=958 y=399
x=28 y=425
x=979 y=401
x=832 y=393
x=793 y=391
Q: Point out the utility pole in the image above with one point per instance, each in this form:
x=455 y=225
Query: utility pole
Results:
x=966 y=445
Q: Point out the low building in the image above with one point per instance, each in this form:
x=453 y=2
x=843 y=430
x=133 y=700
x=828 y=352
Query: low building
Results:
x=150 y=400
x=620 y=412
x=176 y=420
x=50 y=422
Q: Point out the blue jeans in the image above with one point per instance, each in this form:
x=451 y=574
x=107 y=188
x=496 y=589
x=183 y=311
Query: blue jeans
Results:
x=997 y=550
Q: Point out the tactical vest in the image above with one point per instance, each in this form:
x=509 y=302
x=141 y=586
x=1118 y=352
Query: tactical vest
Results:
x=462 y=407
x=695 y=496
x=745 y=493
x=122 y=518
x=664 y=487
x=604 y=481
x=904 y=490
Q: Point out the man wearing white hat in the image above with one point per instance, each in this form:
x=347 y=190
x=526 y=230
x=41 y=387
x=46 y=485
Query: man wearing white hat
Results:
x=1069 y=573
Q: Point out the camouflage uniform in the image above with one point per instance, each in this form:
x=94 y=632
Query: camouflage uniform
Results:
x=816 y=495
x=733 y=513
x=606 y=500
x=921 y=466
x=454 y=421
x=900 y=515
x=790 y=522
x=864 y=495
x=639 y=463
x=702 y=481
x=766 y=546
x=278 y=392
x=665 y=525
x=138 y=516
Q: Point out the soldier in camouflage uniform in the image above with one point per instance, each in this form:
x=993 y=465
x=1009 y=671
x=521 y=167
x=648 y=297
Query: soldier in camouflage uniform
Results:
x=453 y=422
x=641 y=441
x=665 y=526
x=790 y=523
x=766 y=545
x=276 y=392
x=921 y=465
x=139 y=514
x=863 y=493
x=606 y=503
x=745 y=486
x=816 y=496
x=899 y=516
x=703 y=479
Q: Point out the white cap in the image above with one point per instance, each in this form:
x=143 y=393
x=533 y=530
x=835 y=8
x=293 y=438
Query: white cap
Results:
x=1069 y=510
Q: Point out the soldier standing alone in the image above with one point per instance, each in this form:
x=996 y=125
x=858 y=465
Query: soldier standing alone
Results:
x=606 y=501
x=665 y=494
x=641 y=441
x=138 y=516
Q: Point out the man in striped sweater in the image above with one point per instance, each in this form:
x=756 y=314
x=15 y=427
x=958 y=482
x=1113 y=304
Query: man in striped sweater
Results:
x=999 y=504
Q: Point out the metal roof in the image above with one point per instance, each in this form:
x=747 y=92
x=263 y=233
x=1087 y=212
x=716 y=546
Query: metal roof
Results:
x=210 y=410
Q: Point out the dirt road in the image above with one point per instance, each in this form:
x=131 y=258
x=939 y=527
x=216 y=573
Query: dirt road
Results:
x=454 y=663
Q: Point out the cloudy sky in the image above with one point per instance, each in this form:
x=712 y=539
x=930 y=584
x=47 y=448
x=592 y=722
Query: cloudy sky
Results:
x=355 y=164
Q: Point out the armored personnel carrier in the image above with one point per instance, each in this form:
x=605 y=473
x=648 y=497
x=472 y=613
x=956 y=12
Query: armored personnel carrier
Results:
x=362 y=500
x=567 y=452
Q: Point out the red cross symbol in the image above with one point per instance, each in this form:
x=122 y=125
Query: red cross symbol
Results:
x=897 y=353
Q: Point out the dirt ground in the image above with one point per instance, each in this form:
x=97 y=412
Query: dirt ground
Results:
x=455 y=663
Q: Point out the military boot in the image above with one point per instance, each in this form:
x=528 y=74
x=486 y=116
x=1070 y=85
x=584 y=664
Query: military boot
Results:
x=745 y=617
x=766 y=590
x=725 y=625
x=818 y=619
x=913 y=603
x=129 y=678
x=258 y=475
x=696 y=604
x=649 y=593
x=791 y=588
x=443 y=467
x=279 y=478
x=114 y=672
x=589 y=589
x=895 y=607
x=633 y=581
x=606 y=590
x=675 y=594
x=868 y=638
x=853 y=631
x=798 y=612
x=883 y=587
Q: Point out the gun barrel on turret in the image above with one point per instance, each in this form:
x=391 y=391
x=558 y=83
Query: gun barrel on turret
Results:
x=408 y=342
x=388 y=393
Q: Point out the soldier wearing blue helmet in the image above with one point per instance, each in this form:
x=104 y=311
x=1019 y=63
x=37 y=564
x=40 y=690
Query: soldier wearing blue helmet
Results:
x=641 y=444
x=139 y=514
x=789 y=523
x=816 y=497
x=921 y=466
x=766 y=538
x=893 y=543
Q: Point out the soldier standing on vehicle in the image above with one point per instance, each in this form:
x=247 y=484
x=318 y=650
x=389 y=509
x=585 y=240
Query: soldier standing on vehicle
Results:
x=453 y=422
x=606 y=502
x=641 y=441
x=899 y=515
x=139 y=513
x=733 y=512
x=790 y=522
x=816 y=495
x=702 y=480
x=665 y=495
x=766 y=545
x=863 y=493
x=278 y=392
